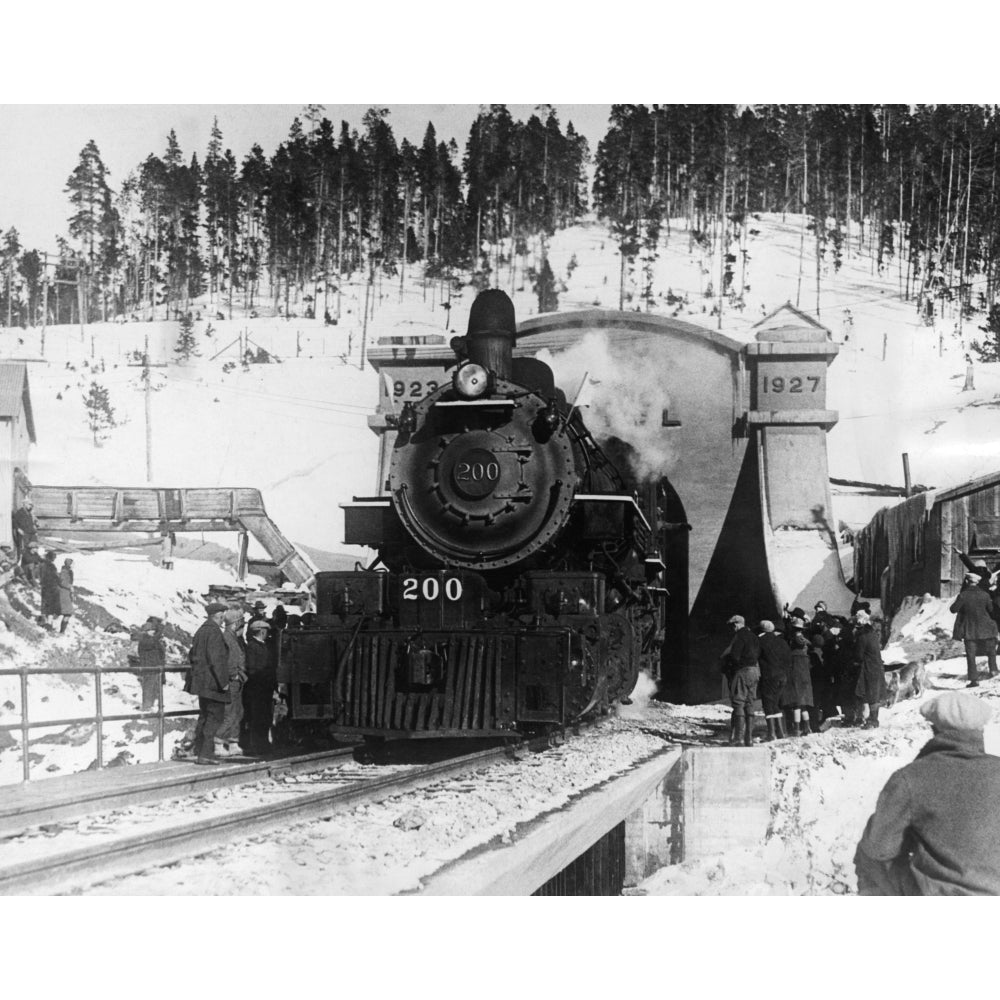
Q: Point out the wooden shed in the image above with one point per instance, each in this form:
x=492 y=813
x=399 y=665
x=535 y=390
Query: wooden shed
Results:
x=17 y=434
x=917 y=546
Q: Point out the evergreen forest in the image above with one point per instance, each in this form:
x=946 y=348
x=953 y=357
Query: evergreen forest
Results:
x=912 y=187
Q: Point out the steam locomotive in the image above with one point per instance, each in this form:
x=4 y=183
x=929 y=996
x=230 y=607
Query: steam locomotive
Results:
x=517 y=586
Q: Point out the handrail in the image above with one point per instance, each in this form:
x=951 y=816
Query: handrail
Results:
x=99 y=718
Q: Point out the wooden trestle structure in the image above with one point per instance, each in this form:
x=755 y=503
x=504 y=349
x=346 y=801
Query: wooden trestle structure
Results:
x=160 y=510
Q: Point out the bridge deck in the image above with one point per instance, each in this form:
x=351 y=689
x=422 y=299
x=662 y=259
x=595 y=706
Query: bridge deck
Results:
x=151 y=509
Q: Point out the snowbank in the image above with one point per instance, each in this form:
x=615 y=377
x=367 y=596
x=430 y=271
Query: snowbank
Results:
x=115 y=590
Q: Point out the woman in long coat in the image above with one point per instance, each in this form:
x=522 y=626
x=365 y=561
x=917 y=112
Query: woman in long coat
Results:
x=870 y=688
x=66 y=593
x=51 y=604
x=775 y=662
x=798 y=692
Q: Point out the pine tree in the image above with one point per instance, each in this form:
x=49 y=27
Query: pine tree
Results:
x=10 y=249
x=88 y=194
x=100 y=413
x=187 y=345
x=30 y=268
x=544 y=284
x=249 y=222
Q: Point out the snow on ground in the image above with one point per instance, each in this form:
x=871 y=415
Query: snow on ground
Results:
x=824 y=786
x=388 y=847
x=117 y=589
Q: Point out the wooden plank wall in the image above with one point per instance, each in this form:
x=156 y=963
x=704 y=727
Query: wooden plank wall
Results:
x=956 y=532
x=921 y=541
x=895 y=539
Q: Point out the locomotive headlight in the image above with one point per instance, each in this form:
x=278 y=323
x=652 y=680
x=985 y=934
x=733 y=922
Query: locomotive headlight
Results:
x=470 y=381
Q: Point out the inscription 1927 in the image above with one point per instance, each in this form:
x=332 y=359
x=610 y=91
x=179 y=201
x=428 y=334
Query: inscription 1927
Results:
x=790 y=383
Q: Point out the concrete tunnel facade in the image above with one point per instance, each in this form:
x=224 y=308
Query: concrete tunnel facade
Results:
x=744 y=434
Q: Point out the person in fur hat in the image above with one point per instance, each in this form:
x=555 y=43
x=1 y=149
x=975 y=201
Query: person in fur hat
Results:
x=933 y=832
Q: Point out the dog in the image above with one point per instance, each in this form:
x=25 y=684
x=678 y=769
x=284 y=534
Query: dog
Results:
x=906 y=680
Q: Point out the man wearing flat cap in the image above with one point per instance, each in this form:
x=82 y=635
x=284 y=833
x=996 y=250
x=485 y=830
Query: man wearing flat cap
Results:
x=934 y=830
x=742 y=671
x=209 y=658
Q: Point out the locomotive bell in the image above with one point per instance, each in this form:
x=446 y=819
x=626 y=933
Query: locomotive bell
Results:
x=489 y=341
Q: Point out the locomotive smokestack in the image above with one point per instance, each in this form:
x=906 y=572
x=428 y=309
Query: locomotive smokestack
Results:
x=492 y=329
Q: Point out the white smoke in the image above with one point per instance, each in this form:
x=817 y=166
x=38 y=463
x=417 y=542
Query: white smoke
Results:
x=624 y=395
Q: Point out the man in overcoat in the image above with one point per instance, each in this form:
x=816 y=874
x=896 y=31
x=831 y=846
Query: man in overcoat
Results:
x=152 y=652
x=742 y=671
x=933 y=832
x=975 y=626
x=25 y=527
x=259 y=689
x=227 y=738
x=867 y=655
x=209 y=658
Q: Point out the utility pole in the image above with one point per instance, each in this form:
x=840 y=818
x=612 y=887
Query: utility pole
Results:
x=45 y=295
x=147 y=382
x=55 y=264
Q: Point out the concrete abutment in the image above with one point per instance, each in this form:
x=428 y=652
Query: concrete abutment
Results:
x=681 y=805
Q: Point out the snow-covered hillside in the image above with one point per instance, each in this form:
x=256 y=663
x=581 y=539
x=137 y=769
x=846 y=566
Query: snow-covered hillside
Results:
x=297 y=429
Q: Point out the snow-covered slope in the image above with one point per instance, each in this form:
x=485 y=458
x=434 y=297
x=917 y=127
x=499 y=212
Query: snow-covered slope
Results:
x=297 y=429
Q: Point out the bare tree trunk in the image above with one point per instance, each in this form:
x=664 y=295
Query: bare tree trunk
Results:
x=850 y=196
x=340 y=240
x=802 y=209
x=820 y=225
x=406 y=215
x=723 y=236
x=861 y=191
x=426 y=241
x=965 y=251
x=947 y=227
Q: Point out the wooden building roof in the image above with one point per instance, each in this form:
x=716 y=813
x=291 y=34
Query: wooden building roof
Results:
x=14 y=394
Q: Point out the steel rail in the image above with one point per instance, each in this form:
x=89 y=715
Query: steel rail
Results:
x=15 y=819
x=82 y=867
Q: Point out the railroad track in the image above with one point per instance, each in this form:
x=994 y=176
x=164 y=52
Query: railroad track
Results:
x=157 y=787
x=58 y=871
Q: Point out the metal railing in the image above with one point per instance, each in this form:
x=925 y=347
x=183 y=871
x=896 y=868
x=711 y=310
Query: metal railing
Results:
x=98 y=718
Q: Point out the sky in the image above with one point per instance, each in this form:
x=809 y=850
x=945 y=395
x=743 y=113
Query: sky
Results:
x=40 y=144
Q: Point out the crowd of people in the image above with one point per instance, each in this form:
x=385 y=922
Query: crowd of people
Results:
x=36 y=567
x=809 y=673
x=933 y=829
x=233 y=673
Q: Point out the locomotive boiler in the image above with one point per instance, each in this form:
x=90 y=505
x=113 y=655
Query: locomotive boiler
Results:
x=517 y=586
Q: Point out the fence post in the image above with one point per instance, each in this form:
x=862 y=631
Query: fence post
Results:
x=25 y=763
x=99 y=712
x=159 y=683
